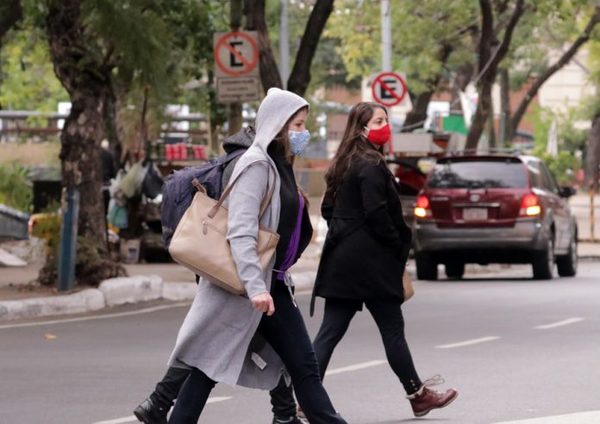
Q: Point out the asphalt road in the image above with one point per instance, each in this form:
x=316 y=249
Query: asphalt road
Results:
x=513 y=347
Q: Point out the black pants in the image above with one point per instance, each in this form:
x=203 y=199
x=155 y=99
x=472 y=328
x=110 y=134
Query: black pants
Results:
x=286 y=333
x=167 y=390
x=388 y=317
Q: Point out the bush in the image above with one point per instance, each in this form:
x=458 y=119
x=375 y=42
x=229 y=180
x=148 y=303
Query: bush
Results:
x=15 y=187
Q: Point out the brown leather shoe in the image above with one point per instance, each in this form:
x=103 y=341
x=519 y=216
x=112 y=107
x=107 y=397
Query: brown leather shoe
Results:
x=426 y=399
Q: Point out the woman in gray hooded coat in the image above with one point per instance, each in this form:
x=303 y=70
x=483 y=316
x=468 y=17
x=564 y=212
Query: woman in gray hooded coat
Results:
x=250 y=341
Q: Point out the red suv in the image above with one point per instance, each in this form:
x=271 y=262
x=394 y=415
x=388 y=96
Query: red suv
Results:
x=493 y=209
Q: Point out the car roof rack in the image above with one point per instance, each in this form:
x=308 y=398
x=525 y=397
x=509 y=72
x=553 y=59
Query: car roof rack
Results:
x=488 y=151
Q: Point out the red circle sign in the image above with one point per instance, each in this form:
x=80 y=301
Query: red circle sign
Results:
x=223 y=43
x=389 y=88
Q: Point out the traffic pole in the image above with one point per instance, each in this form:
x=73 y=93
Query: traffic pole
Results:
x=284 y=46
x=386 y=36
x=235 y=109
x=68 y=242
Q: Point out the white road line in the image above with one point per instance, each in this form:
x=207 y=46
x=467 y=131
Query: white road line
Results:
x=130 y=419
x=133 y=419
x=103 y=316
x=356 y=367
x=589 y=417
x=468 y=342
x=559 y=323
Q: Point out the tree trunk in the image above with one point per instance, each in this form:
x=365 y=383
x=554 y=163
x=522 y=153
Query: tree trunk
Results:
x=255 y=20
x=89 y=88
x=464 y=74
x=11 y=12
x=300 y=75
x=491 y=53
x=492 y=141
x=417 y=116
x=484 y=106
x=110 y=124
x=504 y=106
x=593 y=154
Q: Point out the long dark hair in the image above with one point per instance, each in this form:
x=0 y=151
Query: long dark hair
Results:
x=281 y=142
x=353 y=145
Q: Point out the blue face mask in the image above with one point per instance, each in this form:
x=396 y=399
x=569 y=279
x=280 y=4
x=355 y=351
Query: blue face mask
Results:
x=298 y=141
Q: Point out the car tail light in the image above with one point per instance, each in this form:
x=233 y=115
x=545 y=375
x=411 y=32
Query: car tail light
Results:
x=530 y=205
x=422 y=208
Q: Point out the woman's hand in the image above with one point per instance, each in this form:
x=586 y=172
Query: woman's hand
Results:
x=264 y=303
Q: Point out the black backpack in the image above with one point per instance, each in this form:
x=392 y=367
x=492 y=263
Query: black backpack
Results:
x=178 y=190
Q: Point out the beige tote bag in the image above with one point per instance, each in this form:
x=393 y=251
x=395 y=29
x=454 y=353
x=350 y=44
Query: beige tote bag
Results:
x=200 y=240
x=409 y=290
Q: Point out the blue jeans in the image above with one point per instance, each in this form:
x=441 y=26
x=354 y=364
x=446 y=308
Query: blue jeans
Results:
x=286 y=333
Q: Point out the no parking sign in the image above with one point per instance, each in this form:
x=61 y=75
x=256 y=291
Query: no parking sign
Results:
x=389 y=88
x=236 y=66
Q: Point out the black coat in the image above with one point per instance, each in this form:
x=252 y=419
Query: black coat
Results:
x=367 y=243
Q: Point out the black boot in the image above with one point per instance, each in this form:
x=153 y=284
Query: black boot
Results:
x=149 y=412
x=154 y=410
x=287 y=420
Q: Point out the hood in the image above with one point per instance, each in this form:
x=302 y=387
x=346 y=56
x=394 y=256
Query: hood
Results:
x=240 y=140
x=274 y=111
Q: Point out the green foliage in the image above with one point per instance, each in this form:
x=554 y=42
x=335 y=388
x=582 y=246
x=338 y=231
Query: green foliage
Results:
x=130 y=34
x=26 y=75
x=563 y=166
x=419 y=30
x=570 y=141
x=15 y=188
x=547 y=27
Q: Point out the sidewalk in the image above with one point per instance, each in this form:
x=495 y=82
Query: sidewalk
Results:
x=21 y=298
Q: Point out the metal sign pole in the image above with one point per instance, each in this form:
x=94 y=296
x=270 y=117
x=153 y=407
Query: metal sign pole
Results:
x=68 y=243
x=386 y=36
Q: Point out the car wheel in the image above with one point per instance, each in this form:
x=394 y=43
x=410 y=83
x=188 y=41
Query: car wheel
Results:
x=543 y=262
x=455 y=270
x=567 y=264
x=426 y=267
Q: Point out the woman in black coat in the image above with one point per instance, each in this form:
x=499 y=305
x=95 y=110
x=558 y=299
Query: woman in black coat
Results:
x=365 y=252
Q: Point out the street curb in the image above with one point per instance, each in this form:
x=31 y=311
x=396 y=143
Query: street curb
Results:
x=84 y=301
x=114 y=292
x=123 y=290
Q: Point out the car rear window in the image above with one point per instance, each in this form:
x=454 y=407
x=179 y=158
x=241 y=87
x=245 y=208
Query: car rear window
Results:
x=479 y=174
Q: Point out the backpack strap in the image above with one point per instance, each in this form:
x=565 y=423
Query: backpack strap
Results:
x=265 y=202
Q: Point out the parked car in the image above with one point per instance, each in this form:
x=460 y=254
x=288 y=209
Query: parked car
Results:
x=493 y=209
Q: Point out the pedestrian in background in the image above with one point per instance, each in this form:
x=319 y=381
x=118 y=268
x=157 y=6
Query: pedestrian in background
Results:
x=109 y=171
x=247 y=340
x=365 y=252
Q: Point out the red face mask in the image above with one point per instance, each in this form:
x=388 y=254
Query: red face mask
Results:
x=380 y=136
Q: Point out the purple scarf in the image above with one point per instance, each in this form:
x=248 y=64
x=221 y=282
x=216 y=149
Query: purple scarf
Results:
x=292 y=250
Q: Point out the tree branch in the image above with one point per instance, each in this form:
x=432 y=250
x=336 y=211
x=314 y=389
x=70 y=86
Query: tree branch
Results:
x=300 y=75
x=487 y=33
x=562 y=61
x=255 y=20
x=418 y=115
x=508 y=33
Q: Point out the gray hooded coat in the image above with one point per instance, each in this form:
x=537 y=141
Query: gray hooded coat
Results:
x=218 y=335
